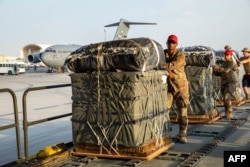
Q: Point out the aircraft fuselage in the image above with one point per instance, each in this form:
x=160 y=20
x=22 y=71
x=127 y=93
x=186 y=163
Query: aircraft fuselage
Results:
x=55 y=55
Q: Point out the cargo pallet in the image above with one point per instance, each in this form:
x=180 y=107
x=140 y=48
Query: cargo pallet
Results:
x=203 y=119
x=146 y=151
x=90 y=152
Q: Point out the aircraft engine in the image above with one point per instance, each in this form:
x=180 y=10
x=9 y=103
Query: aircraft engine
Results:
x=34 y=58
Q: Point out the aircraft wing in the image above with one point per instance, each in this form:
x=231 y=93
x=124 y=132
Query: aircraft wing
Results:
x=139 y=23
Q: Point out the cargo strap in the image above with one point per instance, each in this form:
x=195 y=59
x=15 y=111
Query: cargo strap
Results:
x=127 y=122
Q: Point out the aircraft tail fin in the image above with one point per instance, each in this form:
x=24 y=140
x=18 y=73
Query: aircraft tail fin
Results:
x=123 y=27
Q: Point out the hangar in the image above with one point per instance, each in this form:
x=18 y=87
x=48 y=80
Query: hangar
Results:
x=32 y=48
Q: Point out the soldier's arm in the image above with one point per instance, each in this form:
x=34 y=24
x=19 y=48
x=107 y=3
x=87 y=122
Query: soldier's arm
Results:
x=245 y=61
x=227 y=69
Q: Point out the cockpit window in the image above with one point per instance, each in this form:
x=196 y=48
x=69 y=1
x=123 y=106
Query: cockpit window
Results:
x=50 y=50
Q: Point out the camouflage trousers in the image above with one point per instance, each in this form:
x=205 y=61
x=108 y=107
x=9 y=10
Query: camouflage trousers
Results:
x=228 y=91
x=181 y=99
x=182 y=102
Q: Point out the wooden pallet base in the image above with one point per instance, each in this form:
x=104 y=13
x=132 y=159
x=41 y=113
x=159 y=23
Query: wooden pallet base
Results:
x=147 y=151
x=237 y=103
x=205 y=119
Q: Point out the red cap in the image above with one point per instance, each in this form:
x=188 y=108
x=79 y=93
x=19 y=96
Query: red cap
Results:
x=173 y=38
x=228 y=52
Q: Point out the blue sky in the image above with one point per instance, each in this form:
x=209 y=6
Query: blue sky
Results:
x=212 y=23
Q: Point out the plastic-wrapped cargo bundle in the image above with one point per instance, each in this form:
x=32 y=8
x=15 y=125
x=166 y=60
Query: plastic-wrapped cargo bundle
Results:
x=120 y=108
x=200 y=89
x=137 y=54
x=202 y=56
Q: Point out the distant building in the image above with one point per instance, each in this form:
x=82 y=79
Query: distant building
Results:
x=5 y=58
x=25 y=51
x=2 y=58
x=32 y=48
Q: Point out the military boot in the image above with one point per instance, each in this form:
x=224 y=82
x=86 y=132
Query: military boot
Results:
x=183 y=123
x=229 y=114
x=247 y=98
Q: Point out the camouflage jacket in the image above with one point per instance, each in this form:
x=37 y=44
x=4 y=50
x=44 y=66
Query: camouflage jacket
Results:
x=228 y=72
x=176 y=63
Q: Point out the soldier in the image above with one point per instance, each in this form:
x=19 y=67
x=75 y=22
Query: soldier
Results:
x=235 y=54
x=245 y=60
x=227 y=47
x=228 y=73
x=177 y=84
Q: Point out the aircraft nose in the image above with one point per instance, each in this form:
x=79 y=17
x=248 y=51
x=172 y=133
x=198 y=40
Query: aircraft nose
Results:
x=45 y=57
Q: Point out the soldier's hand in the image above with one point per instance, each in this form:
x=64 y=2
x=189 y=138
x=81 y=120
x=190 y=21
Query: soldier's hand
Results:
x=216 y=66
x=167 y=69
x=171 y=75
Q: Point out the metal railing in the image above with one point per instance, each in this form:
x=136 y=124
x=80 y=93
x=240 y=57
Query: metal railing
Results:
x=15 y=124
x=26 y=123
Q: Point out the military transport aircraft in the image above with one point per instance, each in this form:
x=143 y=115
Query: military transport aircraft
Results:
x=54 y=56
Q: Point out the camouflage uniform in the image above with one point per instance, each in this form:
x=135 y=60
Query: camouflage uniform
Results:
x=178 y=88
x=228 y=72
